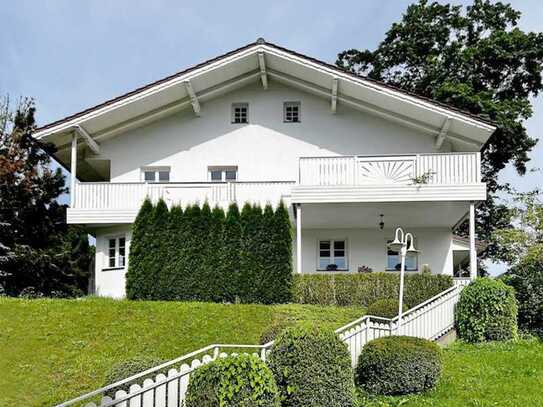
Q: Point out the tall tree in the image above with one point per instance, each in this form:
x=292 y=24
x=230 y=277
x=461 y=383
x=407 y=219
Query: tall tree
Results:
x=475 y=59
x=38 y=250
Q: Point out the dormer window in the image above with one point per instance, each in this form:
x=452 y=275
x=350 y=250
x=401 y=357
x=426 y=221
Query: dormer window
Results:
x=156 y=174
x=291 y=112
x=240 y=113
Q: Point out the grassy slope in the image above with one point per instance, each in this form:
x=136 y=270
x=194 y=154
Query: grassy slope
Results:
x=493 y=374
x=52 y=350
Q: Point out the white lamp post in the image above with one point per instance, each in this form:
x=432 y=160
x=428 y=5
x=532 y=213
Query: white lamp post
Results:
x=401 y=240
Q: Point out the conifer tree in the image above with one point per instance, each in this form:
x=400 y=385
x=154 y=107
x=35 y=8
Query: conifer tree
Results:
x=250 y=261
x=230 y=253
x=268 y=256
x=282 y=256
x=168 y=279
x=139 y=254
x=157 y=250
x=203 y=273
x=212 y=258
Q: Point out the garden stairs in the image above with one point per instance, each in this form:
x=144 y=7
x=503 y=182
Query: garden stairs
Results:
x=433 y=319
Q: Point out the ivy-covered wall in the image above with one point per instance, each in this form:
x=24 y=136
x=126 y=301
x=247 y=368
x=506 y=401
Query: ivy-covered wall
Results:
x=204 y=254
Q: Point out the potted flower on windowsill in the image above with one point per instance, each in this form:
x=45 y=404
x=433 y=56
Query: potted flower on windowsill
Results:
x=331 y=267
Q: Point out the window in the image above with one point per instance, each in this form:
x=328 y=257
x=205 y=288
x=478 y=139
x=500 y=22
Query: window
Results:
x=332 y=255
x=116 y=252
x=394 y=261
x=291 y=112
x=240 y=113
x=223 y=173
x=156 y=174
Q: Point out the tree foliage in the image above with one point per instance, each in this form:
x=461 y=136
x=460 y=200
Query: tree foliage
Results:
x=477 y=60
x=38 y=251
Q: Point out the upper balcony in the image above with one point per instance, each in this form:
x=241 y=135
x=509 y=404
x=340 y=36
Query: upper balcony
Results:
x=119 y=202
x=339 y=179
x=398 y=178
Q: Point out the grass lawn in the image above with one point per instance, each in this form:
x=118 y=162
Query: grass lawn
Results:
x=492 y=374
x=53 y=350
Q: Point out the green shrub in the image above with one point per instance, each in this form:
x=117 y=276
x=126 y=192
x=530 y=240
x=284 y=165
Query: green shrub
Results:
x=487 y=310
x=130 y=367
x=527 y=280
x=398 y=365
x=235 y=381
x=312 y=367
x=385 y=308
x=366 y=288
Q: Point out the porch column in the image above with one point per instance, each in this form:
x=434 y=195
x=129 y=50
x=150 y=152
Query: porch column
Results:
x=298 y=238
x=73 y=169
x=472 y=251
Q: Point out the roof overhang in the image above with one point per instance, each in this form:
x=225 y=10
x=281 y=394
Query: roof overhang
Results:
x=258 y=62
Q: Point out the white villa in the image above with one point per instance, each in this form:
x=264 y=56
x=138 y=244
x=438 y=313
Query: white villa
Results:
x=352 y=158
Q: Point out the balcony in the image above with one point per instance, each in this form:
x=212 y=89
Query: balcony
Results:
x=119 y=202
x=402 y=178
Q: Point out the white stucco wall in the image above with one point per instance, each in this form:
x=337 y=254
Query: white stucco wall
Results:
x=266 y=148
x=110 y=282
x=368 y=247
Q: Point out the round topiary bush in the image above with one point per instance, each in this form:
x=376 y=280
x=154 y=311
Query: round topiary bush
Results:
x=486 y=311
x=396 y=365
x=385 y=308
x=312 y=367
x=130 y=367
x=235 y=381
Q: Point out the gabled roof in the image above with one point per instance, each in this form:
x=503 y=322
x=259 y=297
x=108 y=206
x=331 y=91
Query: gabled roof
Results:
x=248 y=64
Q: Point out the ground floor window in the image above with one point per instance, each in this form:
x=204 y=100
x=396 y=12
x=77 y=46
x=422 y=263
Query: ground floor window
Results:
x=332 y=254
x=116 y=251
x=394 y=260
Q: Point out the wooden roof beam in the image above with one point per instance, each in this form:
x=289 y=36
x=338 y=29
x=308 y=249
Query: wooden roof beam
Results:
x=93 y=145
x=443 y=133
x=193 y=98
x=335 y=83
x=263 y=72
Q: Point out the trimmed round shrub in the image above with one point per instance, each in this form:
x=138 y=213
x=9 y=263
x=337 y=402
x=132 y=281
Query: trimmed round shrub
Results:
x=486 y=311
x=128 y=368
x=235 y=381
x=385 y=308
x=312 y=367
x=396 y=365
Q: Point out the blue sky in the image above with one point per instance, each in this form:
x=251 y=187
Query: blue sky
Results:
x=69 y=55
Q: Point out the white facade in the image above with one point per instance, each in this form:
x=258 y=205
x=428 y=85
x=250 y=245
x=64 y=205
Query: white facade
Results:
x=340 y=168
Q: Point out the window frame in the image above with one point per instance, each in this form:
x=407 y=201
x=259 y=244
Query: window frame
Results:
x=410 y=270
x=332 y=250
x=157 y=170
x=233 y=112
x=223 y=169
x=297 y=104
x=118 y=264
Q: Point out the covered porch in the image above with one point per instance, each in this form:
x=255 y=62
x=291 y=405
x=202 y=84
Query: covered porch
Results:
x=353 y=236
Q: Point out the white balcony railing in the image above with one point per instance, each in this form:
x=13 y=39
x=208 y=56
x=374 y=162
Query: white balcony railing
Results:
x=436 y=169
x=121 y=195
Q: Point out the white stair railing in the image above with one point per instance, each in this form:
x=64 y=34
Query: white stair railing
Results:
x=429 y=320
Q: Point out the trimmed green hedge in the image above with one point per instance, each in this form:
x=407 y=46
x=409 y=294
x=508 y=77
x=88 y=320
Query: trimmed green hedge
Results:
x=312 y=367
x=235 y=381
x=204 y=255
x=487 y=311
x=385 y=308
x=366 y=288
x=398 y=365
